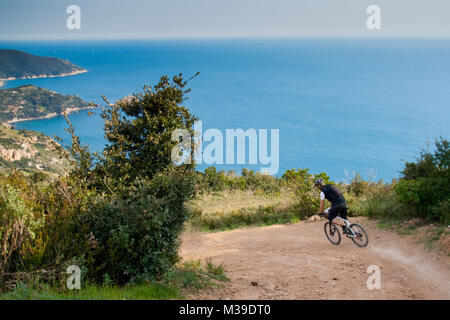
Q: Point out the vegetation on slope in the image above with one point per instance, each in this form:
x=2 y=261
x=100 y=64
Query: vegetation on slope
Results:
x=116 y=221
x=30 y=152
x=17 y=64
x=26 y=102
x=184 y=278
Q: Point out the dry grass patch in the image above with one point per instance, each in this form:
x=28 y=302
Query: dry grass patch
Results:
x=232 y=209
x=229 y=201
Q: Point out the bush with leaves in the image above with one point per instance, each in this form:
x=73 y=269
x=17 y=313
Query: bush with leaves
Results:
x=301 y=183
x=259 y=181
x=136 y=213
x=425 y=185
x=358 y=186
x=120 y=212
x=139 y=130
x=19 y=219
x=212 y=181
x=136 y=232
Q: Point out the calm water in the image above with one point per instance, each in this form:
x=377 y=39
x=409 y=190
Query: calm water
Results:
x=340 y=105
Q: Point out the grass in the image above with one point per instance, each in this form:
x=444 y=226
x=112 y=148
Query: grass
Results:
x=229 y=201
x=216 y=272
x=388 y=223
x=191 y=275
x=186 y=277
x=92 y=292
x=393 y=223
x=260 y=216
x=429 y=235
x=433 y=236
x=235 y=209
x=407 y=230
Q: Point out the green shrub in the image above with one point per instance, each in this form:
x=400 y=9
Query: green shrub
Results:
x=301 y=184
x=408 y=191
x=119 y=213
x=136 y=213
x=358 y=186
x=19 y=220
x=139 y=132
x=213 y=181
x=425 y=185
x=63 y=237
x=137 y=232
x=441 y=211
x=262 y=215
x=385 y=205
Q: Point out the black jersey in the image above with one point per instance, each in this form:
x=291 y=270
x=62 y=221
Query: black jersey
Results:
x=333 y=194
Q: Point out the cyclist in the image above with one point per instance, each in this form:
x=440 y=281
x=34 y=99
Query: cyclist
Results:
x=338 y=204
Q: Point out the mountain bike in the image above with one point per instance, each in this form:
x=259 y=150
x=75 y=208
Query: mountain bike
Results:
x=354 y=231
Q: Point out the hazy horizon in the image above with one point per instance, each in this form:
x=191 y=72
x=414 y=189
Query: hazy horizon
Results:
x=206 y=19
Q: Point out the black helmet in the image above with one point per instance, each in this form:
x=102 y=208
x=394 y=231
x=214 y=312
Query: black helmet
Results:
x=318 y=182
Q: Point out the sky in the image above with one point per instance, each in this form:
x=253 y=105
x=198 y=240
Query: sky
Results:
x=130 y=19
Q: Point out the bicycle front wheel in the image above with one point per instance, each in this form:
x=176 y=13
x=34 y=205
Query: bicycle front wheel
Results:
x=332 y=233
x=361 y=239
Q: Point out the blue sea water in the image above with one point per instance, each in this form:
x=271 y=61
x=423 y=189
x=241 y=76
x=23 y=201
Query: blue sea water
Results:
x=340 y=105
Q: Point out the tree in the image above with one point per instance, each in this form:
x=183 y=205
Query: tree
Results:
x=425 y=184
x=138 y=130
x=428 y=164
x=137 y=211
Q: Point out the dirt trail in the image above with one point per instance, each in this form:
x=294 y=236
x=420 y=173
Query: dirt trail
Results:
x=297 y=262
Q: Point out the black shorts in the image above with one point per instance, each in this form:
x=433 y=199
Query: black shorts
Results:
x=338 y=210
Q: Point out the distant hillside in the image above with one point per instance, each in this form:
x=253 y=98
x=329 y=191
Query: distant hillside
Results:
x=29 y=102
x=29 y=151
x=16 y=64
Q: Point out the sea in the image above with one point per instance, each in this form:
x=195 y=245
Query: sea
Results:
x=341 y=106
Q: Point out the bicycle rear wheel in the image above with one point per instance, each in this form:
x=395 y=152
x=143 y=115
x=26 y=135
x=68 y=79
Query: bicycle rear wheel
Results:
x=361 y=239
x=332 y=233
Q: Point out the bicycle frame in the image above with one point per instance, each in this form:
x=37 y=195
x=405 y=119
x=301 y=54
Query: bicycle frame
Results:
x=347 y=223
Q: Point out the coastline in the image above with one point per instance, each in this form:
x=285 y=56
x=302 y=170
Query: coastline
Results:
x=51 y=115
x=2 y=81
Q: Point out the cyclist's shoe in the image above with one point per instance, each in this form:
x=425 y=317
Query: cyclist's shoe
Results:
x=347 y=231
